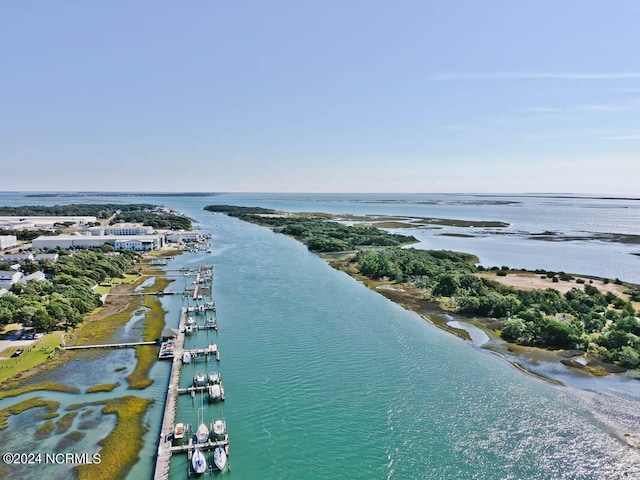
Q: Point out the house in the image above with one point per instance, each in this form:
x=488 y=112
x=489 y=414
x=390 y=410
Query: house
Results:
x=47 y=257
x=37 y=276
x=17 y=257
x=10 y=277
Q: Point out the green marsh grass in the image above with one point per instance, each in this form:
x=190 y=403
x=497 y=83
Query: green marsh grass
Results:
x=118 y=456
x=18 y=408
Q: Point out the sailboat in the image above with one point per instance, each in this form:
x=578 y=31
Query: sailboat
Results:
x=198 y=461
x=202 y=434
x=220 y=458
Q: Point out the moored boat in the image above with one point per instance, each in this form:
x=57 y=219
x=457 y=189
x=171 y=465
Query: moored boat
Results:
x=202 y=434
x=178 y=431
x=215 y=392
x=199 y=379
x=198 y=461
x=186 y=357
x=213 y=378
x=220 y=458
x=219 y=428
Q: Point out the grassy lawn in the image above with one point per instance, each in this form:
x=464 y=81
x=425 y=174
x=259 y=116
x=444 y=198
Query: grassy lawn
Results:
x=129 y=278
x=102 y=289
x=34 y=355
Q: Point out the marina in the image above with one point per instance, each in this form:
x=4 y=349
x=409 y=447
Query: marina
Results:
x=209 y=440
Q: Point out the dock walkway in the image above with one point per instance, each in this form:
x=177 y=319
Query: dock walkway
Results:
x=110 y=345
x=163 y=459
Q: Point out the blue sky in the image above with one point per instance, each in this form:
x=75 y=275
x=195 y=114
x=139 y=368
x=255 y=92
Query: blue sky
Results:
x=321 y=96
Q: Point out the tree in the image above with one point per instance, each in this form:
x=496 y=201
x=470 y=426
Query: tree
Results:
x=446 y=285
x=515 y=331
x=628 y=357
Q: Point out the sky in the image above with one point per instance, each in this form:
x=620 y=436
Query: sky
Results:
x=492 y=96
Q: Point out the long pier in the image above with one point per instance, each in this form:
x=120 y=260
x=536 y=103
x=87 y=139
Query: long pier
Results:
x=163 y=460
x=196 y=291
x=110 y=345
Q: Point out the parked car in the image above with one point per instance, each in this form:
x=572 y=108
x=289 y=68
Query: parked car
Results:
x=17 y=353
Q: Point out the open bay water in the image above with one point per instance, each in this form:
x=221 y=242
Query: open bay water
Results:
x=325 y=378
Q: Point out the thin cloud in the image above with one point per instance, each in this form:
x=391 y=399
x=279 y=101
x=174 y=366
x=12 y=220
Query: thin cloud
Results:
x=621 y=137
x=594 y=107
x=440 y=77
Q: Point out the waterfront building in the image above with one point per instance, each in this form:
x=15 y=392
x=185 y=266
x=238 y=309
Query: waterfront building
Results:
x=182 y=236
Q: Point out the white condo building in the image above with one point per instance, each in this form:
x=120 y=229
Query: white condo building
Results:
x=122 y=229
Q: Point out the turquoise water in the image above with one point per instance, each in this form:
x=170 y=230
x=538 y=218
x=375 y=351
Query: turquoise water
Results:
x=324 y=378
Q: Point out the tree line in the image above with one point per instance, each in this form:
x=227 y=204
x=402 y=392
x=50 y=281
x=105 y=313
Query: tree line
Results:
x=63 y=301
x=315 y=231
x=587 y=319
x=144 y=213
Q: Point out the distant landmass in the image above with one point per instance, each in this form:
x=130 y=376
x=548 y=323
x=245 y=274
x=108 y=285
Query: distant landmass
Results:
x=122 y=194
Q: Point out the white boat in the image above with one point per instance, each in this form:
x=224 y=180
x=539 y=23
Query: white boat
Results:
x=178 y=432
x=190 y=309
x=191 y=320
x=199 y=379
x=215 y=392
x=186 y=357
x=198 y=462
x=213 y=378
x=220 y=458
x=211 y=322
x=219 y=428
x=202 y=434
